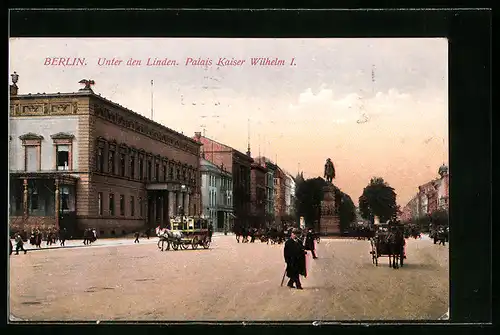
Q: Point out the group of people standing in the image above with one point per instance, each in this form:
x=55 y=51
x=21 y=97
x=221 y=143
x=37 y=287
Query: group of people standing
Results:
x=89 y=236
x=36 y=238
x=244 y=233
x=51 y=237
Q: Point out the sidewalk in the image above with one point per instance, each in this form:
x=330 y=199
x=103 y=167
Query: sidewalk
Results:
x=99 y=242
x=79 y=243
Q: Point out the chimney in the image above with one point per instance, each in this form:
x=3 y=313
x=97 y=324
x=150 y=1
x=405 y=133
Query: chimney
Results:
x=197 y=135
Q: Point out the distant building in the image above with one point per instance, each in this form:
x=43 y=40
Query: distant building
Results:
x=78 y=160
x=258 y=195
x=411 y=210
x=290 y=187
x=239 y=164
x=431 y=196
x=216 y=195
x=271 y=171
x=279 y=194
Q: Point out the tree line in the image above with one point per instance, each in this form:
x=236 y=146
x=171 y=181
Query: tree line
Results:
x=378 y=199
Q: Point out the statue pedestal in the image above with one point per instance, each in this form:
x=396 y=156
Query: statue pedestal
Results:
x=329 y=223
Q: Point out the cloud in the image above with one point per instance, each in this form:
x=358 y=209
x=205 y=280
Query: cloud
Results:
x=351 y=107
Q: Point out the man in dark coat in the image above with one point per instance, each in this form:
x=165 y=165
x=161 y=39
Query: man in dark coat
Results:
x=62 y=236
x=19 y=244
x=309 y=243
x=136 y=235
x=210 y=231
x=295 y=258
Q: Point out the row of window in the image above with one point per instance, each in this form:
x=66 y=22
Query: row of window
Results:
x=224 y=183
x=125 y=162
x=33 y=154
x=121 y=205
x=225 y=198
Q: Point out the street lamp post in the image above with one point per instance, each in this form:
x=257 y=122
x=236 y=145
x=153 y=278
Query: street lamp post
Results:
x=226 y=221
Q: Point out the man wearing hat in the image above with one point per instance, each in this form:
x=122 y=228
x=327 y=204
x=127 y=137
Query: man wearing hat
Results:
x=295 y=258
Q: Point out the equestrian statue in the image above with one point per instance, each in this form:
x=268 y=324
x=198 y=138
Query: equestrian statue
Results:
x=329 y=171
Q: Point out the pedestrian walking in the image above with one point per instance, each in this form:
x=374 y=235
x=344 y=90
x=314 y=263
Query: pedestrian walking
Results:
x=309 y=243
x=252 y=235
x=49 y=238
x=210 y=231
x=62 y=236
x=295 y=258
x=136 y=237
x=147 y=233
x=19 y=244
x=245 y=235
x=38 y=238
x=86 y=238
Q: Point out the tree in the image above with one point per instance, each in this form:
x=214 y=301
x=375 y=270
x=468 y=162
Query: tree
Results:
x=309 y=195
x=347 y=211
x=440 y=217
x=378 y=199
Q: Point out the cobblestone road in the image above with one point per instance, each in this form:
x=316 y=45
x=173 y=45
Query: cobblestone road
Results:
x=230 y=281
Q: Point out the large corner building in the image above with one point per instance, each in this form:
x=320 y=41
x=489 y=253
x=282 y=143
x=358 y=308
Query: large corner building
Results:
x=78 y=160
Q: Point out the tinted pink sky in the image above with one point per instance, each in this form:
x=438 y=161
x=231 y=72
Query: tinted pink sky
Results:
x=299 y=115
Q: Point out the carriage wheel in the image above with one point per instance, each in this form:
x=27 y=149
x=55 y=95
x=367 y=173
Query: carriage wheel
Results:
x=168 y=245
x=184 y=245
x=194 y=243
x=160 y=245
x=206 y=243
x=175 y=245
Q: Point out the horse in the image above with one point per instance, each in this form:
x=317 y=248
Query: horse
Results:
x=395 y=242
x=441 y=236
x=166 y=236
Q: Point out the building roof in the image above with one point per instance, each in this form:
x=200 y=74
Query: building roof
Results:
x=237 y=152
x=89 y=93
x=269 y=164
x=206 y=165
x=258 y=166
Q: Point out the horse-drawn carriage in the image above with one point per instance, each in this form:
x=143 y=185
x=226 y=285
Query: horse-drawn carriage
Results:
x=439 y=234
x=185 y=232
x=389 y=242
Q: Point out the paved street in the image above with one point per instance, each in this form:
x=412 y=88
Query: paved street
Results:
x=230 y=281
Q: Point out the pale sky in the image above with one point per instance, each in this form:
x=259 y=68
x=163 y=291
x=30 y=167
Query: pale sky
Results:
x=299 y=114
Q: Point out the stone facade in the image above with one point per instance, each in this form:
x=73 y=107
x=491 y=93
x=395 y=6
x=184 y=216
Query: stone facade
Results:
x=280 y=178
x=271 y=171
x=107 y=146
x=431 y=196
x=216 y=195
x=239 y=165
x=258 y=195
x=329 y=220
x=289 y=195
